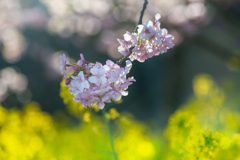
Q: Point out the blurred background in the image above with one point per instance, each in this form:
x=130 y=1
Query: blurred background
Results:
x=34 y=33
x=196 y=83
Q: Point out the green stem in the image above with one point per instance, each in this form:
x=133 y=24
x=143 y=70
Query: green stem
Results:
x=109 y=132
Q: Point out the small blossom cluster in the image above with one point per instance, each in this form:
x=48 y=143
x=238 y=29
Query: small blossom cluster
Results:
x=150 y=40
x=94 y=83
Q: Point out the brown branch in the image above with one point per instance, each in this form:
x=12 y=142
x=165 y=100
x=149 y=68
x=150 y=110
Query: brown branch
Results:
x=119 y=62
x=141 y=14
x=125 y=57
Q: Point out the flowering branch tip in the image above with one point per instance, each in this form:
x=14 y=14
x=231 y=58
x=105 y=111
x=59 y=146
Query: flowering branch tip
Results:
x=92 y=84
x=97 y=84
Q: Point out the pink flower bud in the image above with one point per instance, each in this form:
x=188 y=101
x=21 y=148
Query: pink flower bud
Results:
x=68 y=81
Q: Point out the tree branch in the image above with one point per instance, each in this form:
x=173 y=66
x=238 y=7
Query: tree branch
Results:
x=119 y=62
x=141 y=14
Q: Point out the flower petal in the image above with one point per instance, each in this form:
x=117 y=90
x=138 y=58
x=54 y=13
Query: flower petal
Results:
x=157 y=17
x=93 y=79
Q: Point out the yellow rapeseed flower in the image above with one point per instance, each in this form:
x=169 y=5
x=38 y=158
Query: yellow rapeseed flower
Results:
x=113 y=113
x=86 y=117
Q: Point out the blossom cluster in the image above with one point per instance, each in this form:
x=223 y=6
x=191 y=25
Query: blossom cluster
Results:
x=94 y=83
x=150 y=40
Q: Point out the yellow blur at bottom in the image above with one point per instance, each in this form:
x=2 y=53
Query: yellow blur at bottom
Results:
x=204 y=128
x=32 y=134
x=207 y=126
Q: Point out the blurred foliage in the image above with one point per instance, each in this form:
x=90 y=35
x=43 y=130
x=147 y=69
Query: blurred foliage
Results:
x=205 y=128
x=34 y=134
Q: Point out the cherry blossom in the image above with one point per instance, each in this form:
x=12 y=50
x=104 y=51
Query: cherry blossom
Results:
x=63 y=64
x=92 y=84
x=146 y=31
x=98 y=74
x=150 y=41
x=131 y=37
x=79 y=82
x=124 y=47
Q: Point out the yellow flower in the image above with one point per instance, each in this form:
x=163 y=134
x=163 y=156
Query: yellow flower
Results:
x=86 y=117
x=113 y=113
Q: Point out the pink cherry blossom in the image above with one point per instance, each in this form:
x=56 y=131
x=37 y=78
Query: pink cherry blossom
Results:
x=146 y=31
x=124 y=47
x=80 y=62
x=150 y=41
x=98 y=84
x=131 y=37
x=112 y=69
x=79 y=82
x=63 y=65
x=68 y=81
x=157 y=23
x=128 y=66
x=98 y=74
x=94 y=83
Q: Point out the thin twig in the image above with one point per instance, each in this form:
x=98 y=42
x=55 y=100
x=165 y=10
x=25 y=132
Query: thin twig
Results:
x=119 y=62
x=125 y=57
x=141 y=14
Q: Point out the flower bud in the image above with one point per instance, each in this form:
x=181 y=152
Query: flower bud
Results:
x=68 y=81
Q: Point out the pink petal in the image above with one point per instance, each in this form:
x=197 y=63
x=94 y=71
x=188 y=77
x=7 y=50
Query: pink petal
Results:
x=93 y=79
x=149 y=24
x=100 y=105
x=128 y=66
x=102 y=71
x=157 y=17
x=103 y=79
x=94 y=70
x=81 y=75
x=127 y=36
x=140 y=28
